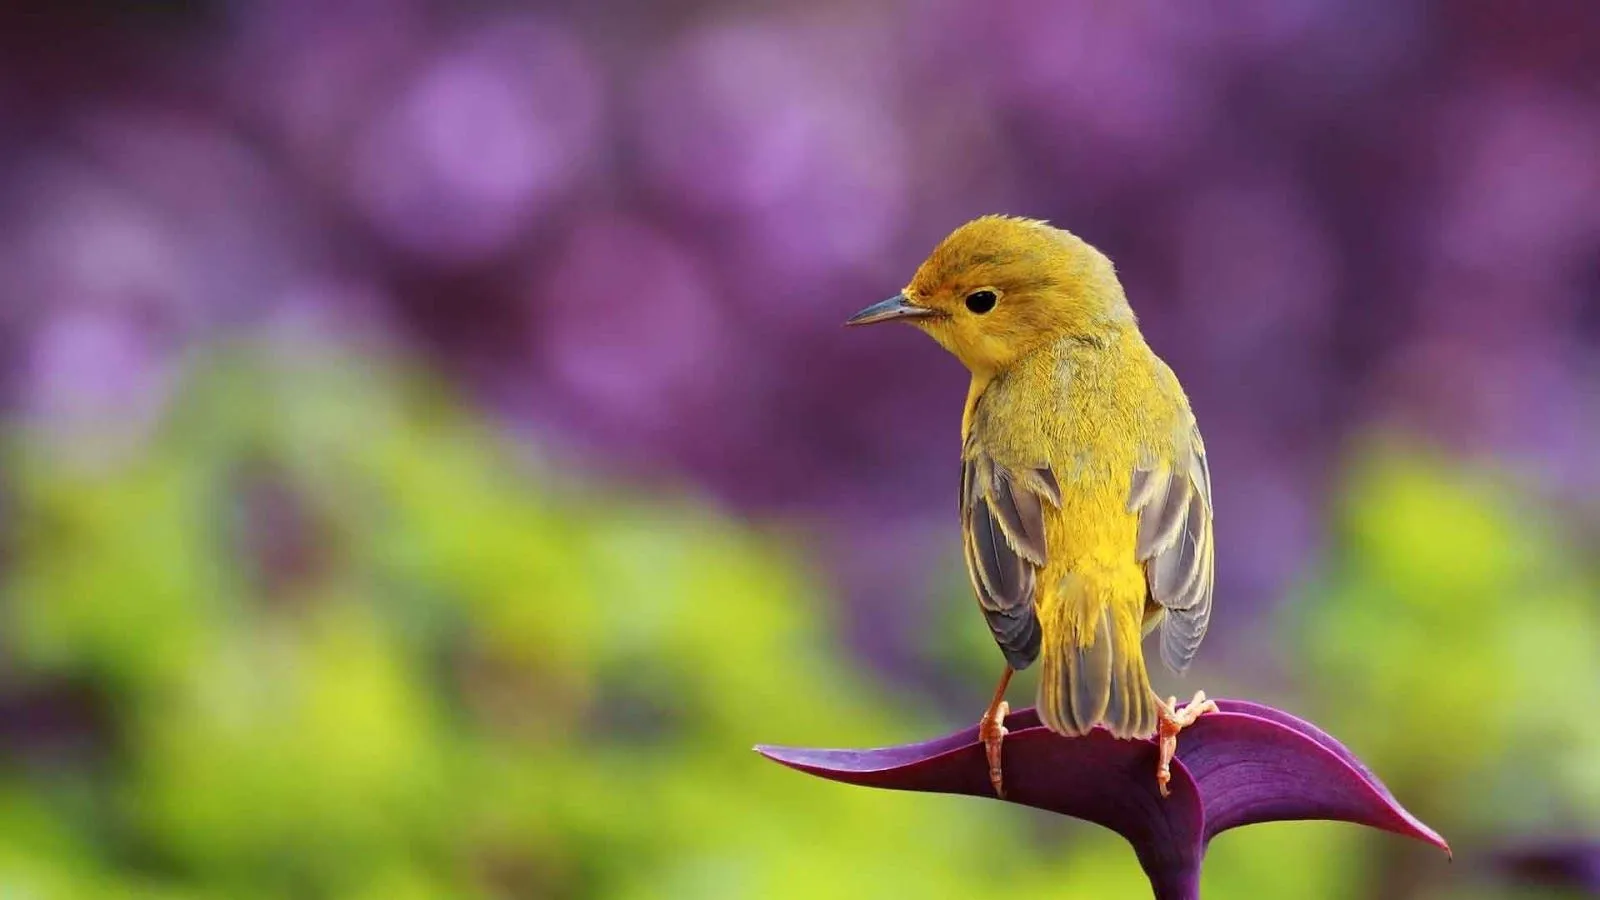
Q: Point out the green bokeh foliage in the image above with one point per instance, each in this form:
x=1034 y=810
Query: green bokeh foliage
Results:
x=327 y=634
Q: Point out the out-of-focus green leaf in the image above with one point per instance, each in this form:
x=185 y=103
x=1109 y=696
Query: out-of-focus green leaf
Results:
x=342 y=639
x=1450 y=642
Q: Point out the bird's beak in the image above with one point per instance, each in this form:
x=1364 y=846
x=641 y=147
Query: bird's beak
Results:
x=896 y=307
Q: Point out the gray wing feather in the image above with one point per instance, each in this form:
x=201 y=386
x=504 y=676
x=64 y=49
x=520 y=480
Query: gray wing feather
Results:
x=1175 y=544
x=1004 y=544
x=1020 y=513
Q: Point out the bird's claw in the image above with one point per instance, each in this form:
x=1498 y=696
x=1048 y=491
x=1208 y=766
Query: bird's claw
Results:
x=992 y=731
x=1173 y=720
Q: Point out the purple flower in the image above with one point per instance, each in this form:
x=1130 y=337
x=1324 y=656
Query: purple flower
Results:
x=1242 y=765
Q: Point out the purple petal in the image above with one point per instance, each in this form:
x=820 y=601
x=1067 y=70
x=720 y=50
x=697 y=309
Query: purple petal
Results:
x=1273 y=767
x=1242 y=765
x=1096 y=778
x=1245 y=707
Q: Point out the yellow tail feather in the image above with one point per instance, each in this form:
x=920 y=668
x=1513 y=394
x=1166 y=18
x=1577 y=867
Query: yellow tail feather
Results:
x=1093 y=674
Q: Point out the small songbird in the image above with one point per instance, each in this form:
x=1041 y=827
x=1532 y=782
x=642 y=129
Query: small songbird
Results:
x=1085 y=492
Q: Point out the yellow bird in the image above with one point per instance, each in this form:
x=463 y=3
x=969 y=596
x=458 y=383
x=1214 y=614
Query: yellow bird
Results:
x=1085 y=493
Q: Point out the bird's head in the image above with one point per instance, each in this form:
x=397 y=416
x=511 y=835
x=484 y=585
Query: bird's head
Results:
x=1000 y=287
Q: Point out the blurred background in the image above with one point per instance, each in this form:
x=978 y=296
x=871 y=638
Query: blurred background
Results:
x=430 y=458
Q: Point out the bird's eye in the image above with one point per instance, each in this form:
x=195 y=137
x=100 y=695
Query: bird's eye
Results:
x=981 y=302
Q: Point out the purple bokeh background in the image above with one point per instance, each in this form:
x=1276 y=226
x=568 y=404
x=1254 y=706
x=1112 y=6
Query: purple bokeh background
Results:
x=632 y=230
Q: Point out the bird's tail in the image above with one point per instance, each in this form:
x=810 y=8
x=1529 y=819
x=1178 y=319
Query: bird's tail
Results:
x=1093 y=669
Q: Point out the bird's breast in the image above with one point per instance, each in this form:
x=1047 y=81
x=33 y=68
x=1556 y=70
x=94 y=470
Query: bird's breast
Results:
x=1065 y=418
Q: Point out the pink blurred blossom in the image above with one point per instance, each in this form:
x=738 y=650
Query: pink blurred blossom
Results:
x=489 y=133
x=781 y=130
x=95 y=385
x=629 y=330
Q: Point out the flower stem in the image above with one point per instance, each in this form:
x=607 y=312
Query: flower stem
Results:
x=1175 y=883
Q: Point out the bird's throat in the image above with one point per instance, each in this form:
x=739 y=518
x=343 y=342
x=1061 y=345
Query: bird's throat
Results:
x=980 y=383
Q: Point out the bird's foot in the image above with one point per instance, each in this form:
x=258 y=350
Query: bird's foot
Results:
x=1172 y=721
x=992 y=730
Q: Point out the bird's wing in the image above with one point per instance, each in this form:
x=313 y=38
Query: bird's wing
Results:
x=1173 y=503
x=1002 y=533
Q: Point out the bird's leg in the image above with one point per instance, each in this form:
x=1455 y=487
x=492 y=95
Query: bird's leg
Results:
x=992 y=730
x=1172 y=721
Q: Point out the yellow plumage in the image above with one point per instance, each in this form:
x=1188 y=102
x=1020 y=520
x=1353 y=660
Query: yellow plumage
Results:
x=1086 y=499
